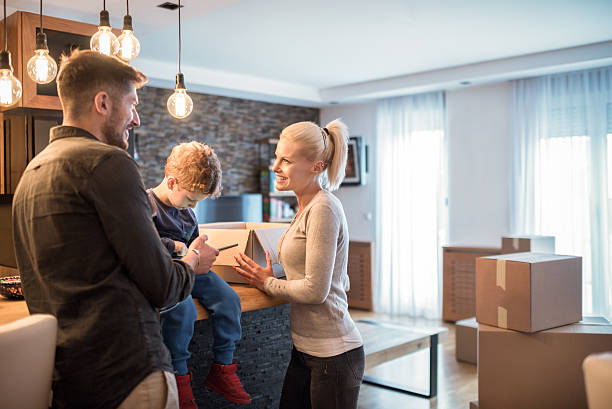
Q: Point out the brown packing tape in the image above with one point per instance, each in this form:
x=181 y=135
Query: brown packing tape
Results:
x=500 y=275
x=502 y=317
x=515 y=243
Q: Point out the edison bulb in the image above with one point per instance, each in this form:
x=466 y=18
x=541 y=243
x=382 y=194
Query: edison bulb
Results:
x=129 y=46
x=41 y=67
x=10 y=88
x=180 y=104
x=104 y=41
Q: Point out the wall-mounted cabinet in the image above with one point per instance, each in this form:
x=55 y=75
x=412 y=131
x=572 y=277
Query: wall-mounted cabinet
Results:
x=62 y=36
x=23 y=134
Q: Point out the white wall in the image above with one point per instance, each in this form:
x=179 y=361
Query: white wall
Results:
x=478 y=127
x=358 y=201
x=479 y=131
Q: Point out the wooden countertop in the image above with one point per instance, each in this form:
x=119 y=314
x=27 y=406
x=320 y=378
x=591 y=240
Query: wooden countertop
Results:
x=251 y=299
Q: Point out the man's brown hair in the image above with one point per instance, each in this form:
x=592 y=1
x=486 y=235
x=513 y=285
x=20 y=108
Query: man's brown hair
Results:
x=84 y=73
x=196 y=168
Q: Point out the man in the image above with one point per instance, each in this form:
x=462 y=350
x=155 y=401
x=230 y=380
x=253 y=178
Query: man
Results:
x=88 y=251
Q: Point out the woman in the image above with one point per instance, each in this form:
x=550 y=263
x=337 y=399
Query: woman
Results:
x=327 y=360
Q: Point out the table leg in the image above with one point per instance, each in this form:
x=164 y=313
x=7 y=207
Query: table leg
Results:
x=433 y=375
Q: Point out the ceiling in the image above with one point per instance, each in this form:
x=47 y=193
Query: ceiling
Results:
x=313 y=52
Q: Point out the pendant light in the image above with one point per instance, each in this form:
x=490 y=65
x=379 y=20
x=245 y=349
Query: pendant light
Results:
x=41 y=67
x=129 y=46
x=104 y=41
x=10 y=87
x=180 y=104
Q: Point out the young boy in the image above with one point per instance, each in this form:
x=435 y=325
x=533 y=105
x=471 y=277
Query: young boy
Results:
x=193 y=173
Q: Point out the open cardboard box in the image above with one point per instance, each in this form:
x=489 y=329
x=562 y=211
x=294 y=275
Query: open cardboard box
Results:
x=253 y=239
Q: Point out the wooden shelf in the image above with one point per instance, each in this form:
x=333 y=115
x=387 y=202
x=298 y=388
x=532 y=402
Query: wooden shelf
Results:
x=280 y=220
x=282 y=194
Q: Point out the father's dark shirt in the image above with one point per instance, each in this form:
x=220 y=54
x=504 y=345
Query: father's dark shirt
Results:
x=88 y=253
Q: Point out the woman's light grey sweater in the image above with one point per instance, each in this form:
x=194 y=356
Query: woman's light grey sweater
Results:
x=314 y=253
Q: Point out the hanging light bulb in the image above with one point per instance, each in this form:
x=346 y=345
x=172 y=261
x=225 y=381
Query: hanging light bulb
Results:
x=10 y=87
x=41 y=67
x=104 y=41
x=180 y=104
x=129 y=46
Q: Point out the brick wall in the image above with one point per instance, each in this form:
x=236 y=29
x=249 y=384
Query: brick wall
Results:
x=229 y=125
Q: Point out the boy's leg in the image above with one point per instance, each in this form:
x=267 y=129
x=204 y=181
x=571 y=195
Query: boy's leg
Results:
x=223 y=304
x=177 y=331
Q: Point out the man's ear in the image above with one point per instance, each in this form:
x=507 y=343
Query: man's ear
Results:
x=102 y=103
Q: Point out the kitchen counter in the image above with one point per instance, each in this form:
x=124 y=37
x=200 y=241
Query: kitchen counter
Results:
x=262 y=353
x=251 y=299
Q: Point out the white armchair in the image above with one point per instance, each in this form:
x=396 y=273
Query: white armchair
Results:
x=27 y=356
x=598 y=380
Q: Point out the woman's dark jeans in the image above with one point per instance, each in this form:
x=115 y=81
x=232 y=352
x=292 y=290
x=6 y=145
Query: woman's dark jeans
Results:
x=323 y=383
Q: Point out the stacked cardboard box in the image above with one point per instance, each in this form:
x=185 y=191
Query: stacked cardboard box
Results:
x=540 y=370
x=533 y=244
x=466 y=338
x=530 y=343
x=528 y=291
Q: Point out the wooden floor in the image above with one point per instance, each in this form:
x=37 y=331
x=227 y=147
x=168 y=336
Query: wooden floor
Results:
x=457 y=381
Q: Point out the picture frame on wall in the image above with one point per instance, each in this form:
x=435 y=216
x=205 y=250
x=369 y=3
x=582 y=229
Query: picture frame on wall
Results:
x=355 y=162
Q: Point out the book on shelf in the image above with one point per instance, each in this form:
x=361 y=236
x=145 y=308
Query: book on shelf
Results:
x=277 y=209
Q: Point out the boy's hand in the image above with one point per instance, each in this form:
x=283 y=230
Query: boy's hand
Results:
x=180 y=249
x=207 y=255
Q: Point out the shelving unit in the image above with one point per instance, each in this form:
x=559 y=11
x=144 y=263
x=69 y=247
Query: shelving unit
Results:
x=278 y=206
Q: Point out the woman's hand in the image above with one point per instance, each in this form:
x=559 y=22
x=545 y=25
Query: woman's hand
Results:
x=253 y=272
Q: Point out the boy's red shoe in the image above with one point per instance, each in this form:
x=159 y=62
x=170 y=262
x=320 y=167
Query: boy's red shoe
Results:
x=185 y=394
x=223 y=380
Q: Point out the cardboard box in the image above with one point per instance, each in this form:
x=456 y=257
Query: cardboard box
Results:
x=537 y=371
x=253 y=239
x=528 y=292
x=466 y=338
x=533 y=244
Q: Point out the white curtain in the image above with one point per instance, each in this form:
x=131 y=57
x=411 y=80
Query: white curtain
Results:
x=561 y=185
x=411 y=212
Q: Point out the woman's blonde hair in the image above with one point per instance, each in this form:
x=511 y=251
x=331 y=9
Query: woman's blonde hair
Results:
x=327 y=144
x=196 y=168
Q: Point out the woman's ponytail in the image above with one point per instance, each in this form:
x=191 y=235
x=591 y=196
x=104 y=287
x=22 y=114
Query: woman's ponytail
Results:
x=335 y=153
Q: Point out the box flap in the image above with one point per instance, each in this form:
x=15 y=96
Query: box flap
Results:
x=223 y=237
x=529 y=257
x=576 y=328
x=268 y=239
x=223 y=225
x=264 y=225
x=468 y=322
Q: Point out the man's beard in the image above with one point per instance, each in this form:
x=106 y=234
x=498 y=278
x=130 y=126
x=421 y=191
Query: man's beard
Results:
x=110 y=133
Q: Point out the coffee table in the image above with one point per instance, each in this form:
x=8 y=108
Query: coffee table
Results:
x=385 y=341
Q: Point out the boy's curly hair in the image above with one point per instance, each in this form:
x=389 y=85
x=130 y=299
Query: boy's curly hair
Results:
x=196 y=168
